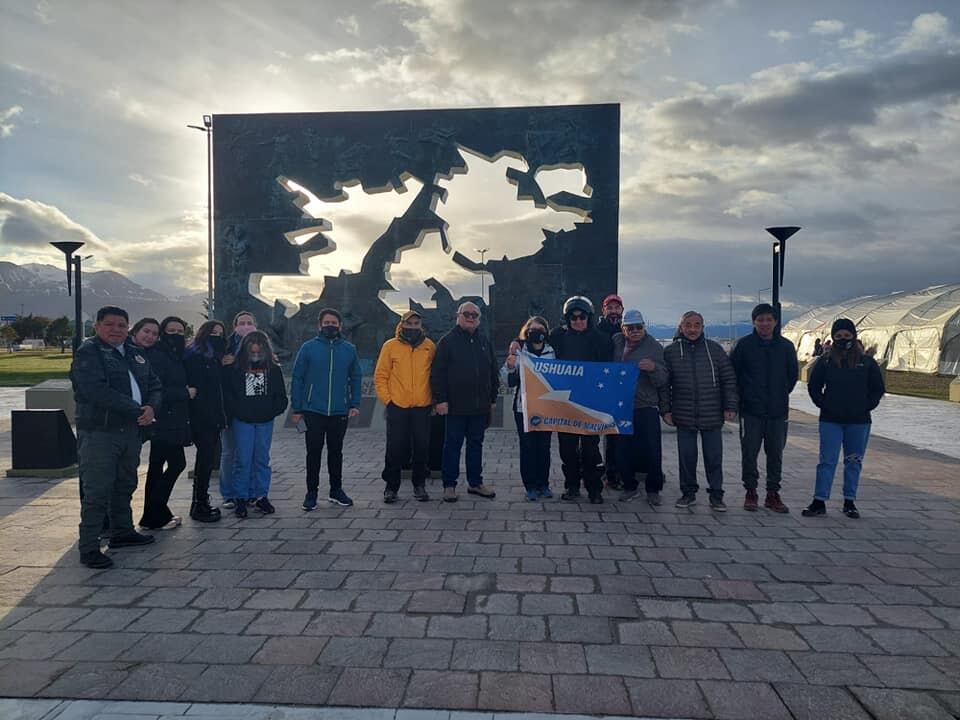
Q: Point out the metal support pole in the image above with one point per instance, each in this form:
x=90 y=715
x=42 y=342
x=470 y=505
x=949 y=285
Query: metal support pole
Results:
x=730 y=287
x=209 y=225
x=775 y=286
x=77 y=306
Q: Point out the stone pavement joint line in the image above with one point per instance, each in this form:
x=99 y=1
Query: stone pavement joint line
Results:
x=423 y=611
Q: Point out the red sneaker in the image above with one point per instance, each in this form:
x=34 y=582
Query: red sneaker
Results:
x=751 y=501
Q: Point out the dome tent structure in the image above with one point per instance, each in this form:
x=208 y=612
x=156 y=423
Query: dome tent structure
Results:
x=912 y=331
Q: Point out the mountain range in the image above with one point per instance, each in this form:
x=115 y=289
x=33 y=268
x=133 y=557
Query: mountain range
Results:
x=42 y=290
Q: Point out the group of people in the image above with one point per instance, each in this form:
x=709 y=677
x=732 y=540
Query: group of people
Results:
x=222 y=393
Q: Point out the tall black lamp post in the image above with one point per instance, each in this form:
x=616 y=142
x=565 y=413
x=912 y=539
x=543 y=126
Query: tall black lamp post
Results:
x=68 y=248
x=208 y=129
x=779 y=260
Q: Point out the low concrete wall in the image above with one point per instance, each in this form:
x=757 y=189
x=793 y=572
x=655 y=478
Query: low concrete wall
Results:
x=52 y=395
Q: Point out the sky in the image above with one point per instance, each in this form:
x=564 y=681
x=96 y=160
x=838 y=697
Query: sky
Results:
x=840 y=117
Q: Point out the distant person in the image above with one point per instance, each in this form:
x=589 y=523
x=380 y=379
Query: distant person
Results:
x=254 y=395
x=244 y=323
x=828 y=343
x=817 y=348
x=402 y=381
x=325 y=394
x=642 y=451
x=767 y=371
x=611 y=315
x=703 y=394
x=846 y=384
x=204 y=366
x=117 y=395
x=171 y=431
x=465 y=383
x=534 y=446
x=578 y=339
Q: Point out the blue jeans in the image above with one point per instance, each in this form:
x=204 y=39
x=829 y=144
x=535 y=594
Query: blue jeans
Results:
x=227 y=448
x=534 y=456
x=458 y=428
x=251 y=467
x=853 y=438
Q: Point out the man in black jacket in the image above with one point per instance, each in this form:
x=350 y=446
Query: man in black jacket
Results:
x=465 y=382
x=117 y=394
x=767 y=371
x=578 y=339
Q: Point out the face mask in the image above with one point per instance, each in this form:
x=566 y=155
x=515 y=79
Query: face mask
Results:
x=536 y=336
x=257 y=360
x=175 y=342
x=329 y=331
x=218 y=343
x=411 y=334
x=845 y=344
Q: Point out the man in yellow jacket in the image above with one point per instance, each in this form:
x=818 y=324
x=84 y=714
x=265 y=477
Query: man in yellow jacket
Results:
x=402 y=379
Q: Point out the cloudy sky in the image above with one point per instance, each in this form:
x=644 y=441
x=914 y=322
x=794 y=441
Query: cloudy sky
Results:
x=841 y=117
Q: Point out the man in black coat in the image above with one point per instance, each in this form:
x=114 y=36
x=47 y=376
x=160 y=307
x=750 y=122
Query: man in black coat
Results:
x=767 y=371
x=465 y=383
x=117 y=394
x=579 y=339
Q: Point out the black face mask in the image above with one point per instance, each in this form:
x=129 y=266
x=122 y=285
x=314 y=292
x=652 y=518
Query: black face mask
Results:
x=536 y=336
x=846 y=344
x=218 y=343
x=411 y=334
x=175 y=342
x=330 y=332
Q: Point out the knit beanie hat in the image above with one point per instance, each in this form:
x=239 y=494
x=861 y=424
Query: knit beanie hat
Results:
x=843 y=324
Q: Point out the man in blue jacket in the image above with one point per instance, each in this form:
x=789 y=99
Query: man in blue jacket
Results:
x=325 y=394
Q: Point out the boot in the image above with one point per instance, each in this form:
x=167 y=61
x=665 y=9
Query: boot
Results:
x=201 y=511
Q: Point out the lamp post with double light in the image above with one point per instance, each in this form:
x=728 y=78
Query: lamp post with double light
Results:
x=483 y=270
x=68 y=248
x=208 y=129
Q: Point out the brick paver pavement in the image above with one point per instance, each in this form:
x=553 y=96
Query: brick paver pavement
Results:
x=618 y=609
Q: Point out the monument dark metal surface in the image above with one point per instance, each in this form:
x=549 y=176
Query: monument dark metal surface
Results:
x=255 y=214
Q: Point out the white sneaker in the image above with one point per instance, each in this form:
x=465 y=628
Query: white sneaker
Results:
x=175 y=522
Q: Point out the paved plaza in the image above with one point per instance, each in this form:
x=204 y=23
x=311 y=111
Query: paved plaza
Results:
x=492 y=606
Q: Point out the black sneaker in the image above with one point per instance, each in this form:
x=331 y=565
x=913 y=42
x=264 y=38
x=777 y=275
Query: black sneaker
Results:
x=390 y=496
x=716 y=503
x=96 y=560
x=817 y=507
x=850 y=510
x=339 y=497
x=654 y=499
x=264 y=505
x=596 y=499
x=686 y=501
x=240 y=510
x=614 y=484
x=133 y=539
x=310 y=500
x=571 y=496
x=420 y=493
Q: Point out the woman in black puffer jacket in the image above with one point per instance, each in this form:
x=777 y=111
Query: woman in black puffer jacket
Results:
x=204 y=364
x=171 y=431
x=703 y=394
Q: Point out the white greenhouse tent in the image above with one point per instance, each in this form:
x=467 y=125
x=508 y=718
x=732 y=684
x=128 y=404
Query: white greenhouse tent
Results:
x=912 y=331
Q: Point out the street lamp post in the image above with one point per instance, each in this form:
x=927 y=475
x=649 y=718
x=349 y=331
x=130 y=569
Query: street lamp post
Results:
x=208 y=129
x=483 y=270
x=68 y=248
x=730 y=288
x=779 y=261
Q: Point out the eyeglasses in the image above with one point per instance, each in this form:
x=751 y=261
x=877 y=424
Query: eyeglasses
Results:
x=470 y=315
x=633 y=328
x=578 y=316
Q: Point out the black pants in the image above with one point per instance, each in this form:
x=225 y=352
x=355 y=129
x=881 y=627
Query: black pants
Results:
x=642 y=452
x=712 y=441
x=580 y=458
x=108 y=476
x=408 y=441
x=207 y=441
x=771 y=433
x=534 y=457
x=611 y=458
x=166 y=463
x=329 y=429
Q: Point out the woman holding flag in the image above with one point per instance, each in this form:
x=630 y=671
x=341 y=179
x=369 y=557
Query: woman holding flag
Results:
x=534 y=446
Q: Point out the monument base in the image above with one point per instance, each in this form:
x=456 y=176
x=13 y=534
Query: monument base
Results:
x=69 y=471
x=955 y=390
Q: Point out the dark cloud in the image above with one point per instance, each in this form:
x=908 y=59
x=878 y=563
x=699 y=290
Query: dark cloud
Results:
x=823 y=107
x=28 y=224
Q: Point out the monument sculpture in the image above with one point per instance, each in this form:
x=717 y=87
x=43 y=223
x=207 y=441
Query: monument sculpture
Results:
x=261 y=229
